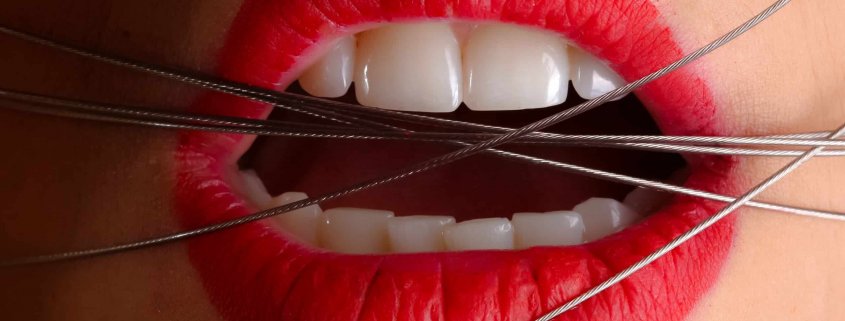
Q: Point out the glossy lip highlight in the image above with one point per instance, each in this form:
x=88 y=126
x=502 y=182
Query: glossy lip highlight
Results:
x=253 y=272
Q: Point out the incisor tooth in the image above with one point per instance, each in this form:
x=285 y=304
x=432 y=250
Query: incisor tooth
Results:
x=603 y=216
x=409 y=234
x=331 y=75
x=480 y=234
x=303 y=223
x=591 y=77
x=549 y=229
x=510 y=67
x=410 y=67
x=355 y=230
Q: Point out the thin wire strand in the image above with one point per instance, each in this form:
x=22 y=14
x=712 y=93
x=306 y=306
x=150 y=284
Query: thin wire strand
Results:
x=686 y=236
x=181 y=120
x=599 y=174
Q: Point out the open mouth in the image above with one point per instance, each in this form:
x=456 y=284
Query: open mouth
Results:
x=481 y=194
x=482 y=239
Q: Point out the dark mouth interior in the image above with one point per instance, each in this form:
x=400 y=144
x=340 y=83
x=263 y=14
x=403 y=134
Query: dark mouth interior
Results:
x=483 y=185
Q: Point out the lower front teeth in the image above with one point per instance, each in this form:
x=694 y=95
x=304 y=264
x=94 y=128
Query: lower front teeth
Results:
x=362 y=231
x=355 y=230
x=418 y=233
x=548 y=229
x=480 y=234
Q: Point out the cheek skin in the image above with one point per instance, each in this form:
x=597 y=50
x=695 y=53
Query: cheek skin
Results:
x=70 y=184
x=782 y=77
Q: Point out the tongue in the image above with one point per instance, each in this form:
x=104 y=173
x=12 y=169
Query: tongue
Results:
x=481 y=186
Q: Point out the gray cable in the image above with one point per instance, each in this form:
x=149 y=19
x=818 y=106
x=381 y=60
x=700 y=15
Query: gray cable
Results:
x=698 y=228
x=599 y=174
x=191 y=121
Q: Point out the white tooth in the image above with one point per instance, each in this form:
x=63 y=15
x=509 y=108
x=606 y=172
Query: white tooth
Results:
x=355 y=230
x=411 y=234
x=604 y=216
x=331 y=75
x=551 y=228
x=302 y=223
x=479 y=234
x=254 y=189
x=410 y=67
x=509 y=67
x=591 y=77
x=646 y=200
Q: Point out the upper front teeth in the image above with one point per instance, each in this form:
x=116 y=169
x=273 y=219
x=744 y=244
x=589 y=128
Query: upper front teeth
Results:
x=433 y=67
x=359 y=231
x=409 y=67
x=509 y=67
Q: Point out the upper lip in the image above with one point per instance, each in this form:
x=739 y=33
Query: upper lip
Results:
x=252 y=271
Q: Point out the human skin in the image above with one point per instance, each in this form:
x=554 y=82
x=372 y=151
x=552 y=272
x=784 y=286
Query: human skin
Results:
x=70 y=184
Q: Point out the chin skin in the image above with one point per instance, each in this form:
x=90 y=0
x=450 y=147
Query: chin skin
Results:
x=87 y=188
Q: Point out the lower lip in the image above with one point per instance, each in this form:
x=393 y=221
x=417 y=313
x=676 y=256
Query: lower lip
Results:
x=252 y=272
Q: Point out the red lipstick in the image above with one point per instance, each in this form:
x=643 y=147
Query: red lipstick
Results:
x=252 y=272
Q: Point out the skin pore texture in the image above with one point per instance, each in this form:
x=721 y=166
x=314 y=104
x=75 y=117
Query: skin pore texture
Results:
x=71 y=184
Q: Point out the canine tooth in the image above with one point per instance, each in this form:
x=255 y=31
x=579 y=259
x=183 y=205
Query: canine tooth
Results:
x=603 y=216
x=510 y=67
x=591 y=77
x=646 y=200
x=479 y=234
x=551 y=228
x=303 y=223
x=410 y=234
x=254 y=188
x=410 y=67
x=355 y=230
x=331 y=75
